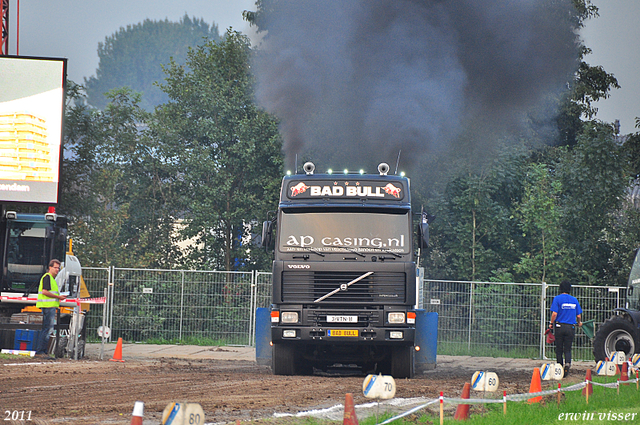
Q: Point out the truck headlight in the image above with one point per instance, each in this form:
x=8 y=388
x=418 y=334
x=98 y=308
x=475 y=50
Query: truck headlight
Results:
x=396 y=318
x=396 y=334
x=289 y=333
x=289 y=317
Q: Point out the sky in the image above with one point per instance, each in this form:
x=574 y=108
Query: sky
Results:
x=73 y=29
x=614 y=38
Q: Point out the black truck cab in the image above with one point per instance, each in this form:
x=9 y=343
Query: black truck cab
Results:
x=344 y=274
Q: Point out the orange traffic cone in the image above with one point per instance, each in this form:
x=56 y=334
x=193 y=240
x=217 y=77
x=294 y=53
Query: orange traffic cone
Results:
x=350 y=417
x=624 y=375
x=588 y=390
x=138 y=413
x=117 y=355
x=536 y=386
x=462 y=412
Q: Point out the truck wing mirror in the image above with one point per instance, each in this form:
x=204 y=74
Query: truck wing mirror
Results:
x=423 y=235
x=267 y=234
x=423 y=229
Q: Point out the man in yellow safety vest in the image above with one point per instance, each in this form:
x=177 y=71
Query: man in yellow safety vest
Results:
x=48 y=301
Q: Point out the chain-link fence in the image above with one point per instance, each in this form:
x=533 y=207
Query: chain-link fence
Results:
x=475 y=318
x=509 y=319
x=170 y=305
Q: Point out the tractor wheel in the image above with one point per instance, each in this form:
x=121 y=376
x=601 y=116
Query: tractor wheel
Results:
x=615 y=334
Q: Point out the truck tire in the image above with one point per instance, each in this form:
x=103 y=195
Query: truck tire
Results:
x=402 y=362
x=283 y=360
x=615 y=334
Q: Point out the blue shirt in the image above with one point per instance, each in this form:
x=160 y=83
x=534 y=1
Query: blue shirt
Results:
x=567 y=307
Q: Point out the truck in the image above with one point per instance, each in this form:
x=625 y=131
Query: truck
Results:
x=28 y=242
x=621 y=331
x=344 y=274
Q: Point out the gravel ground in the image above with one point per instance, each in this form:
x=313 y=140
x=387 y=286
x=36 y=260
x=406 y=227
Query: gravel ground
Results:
x=224 y=383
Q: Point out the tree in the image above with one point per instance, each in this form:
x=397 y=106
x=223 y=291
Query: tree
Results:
x=133 y=57
x=226 y=152
x=594 y=182
x=474 y=226
x=114 y=190
x=540 y=218
x=591 y=83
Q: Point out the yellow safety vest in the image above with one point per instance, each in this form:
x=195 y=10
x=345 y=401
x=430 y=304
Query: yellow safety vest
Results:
x=43 y=300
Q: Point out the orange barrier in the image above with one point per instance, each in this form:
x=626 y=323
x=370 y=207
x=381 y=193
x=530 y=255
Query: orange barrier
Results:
x=117 y=355
x=350 y=417
x=624 y=375
x=536 y=386
x=462 y=412
x=138 y=413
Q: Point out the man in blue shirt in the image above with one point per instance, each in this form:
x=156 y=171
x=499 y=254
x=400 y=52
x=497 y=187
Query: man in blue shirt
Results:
x=565 y=314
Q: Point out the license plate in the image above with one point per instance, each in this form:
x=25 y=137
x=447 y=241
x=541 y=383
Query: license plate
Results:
x=342 y=319
x=342 y=332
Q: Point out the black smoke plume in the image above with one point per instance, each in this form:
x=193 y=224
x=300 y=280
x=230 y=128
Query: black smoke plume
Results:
x=353 y=82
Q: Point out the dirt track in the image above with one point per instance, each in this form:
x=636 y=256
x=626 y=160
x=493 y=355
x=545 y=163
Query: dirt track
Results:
x=103 y=392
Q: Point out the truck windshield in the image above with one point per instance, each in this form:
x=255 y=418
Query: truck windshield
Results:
x=345 y=231
x=27 y=249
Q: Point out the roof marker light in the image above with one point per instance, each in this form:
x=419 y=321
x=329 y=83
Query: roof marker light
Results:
x=329 y=171
x=346 y=171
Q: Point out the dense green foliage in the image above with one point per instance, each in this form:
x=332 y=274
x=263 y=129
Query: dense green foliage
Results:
x=115 y=188
x=133 y=57
x=560 y=213
x=226 y=151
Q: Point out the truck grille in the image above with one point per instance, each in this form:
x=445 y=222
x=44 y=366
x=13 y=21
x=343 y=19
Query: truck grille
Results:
x=307 y=286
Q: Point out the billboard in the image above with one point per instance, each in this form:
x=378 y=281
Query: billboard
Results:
x=31 y=111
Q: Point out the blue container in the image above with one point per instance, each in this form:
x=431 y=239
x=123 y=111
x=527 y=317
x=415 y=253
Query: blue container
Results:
x=427 y=340
x=263 y=336
x=26 y=339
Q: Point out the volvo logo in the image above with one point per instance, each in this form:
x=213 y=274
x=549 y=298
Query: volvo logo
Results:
x=298 y=266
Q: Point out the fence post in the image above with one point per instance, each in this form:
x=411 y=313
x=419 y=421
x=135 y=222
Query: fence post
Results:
x=252 y=308
x=112 y=288
x=543 y=311
x=470 y=315
x=181 y=304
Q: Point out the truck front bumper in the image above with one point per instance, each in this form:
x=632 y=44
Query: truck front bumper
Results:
x=343 y=336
